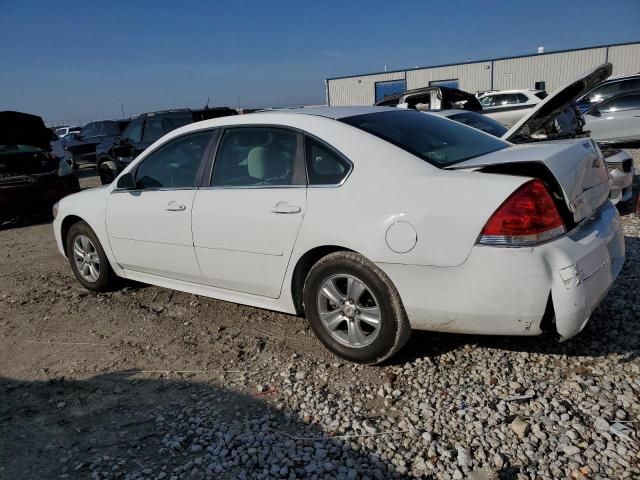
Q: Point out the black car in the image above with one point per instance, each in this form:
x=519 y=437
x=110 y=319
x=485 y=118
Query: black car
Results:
x=142 y=131
x=82 y=147
x=32 y=178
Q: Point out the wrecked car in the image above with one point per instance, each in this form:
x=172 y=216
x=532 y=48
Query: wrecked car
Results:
x=558 y=118
x=32 y=178
x=432 y=98
x=337 y=214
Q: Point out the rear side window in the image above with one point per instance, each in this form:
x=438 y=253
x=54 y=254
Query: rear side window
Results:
x=435 y=140
x=522 y=98
x=325 y=166
x=253 y=157
x=174 y=165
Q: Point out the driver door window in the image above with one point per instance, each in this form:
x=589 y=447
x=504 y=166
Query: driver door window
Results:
x=133 y=132
x=174 y=165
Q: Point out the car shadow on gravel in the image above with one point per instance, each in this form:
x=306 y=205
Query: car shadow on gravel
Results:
x=129 y=423
x=614 y=327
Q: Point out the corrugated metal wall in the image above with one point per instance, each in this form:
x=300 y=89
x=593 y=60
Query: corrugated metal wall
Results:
x=555 y=69
x=625 y=59
x=471 y=76
x=358 y=90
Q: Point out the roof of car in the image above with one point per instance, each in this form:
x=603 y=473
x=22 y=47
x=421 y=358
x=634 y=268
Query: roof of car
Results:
x=333 y=112
x=515 y=90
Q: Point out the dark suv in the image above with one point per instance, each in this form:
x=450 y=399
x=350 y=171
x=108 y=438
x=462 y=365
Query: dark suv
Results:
x=142 y=131
x=82 y=148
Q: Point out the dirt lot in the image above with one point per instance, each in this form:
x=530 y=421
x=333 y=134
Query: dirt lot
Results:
x=147 y=382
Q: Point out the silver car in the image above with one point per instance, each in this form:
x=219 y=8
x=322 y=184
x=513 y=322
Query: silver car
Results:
x=616 y=119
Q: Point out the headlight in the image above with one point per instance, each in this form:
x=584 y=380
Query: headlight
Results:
x=55 y=209
x=64 y=168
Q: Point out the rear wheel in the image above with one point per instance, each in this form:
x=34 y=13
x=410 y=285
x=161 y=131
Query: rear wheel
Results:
x=87 y=258
x=108 y=170
x=354 y=309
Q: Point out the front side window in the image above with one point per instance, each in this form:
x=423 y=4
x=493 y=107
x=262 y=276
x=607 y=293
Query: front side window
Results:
x=431 y=138
x=174 y=165
x=249 y=157
x=133 y=132
x=627 y=102
x=324 y=165
x=111 y=128
x=603 y=92
x=486 y=101
x=88 y=130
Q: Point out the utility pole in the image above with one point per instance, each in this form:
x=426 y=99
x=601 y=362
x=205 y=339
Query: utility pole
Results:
x=122 y=108
x=238 y=102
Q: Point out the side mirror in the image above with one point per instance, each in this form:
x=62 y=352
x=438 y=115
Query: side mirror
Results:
x=594 y=112
x=126 y=182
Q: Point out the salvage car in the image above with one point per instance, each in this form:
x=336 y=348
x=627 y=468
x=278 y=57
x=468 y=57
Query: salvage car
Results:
x=618 y=85
x=32 y=179
x=337 y=213
x=114 y=154
x=556 y=118
x=616 y=119
x=431 y=98
x=509 y=106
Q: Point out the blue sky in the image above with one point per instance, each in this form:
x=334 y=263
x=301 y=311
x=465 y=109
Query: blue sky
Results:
x=79 y=61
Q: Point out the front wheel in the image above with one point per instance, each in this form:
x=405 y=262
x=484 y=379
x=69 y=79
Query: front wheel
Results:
x=354 y=309
x=87 y=258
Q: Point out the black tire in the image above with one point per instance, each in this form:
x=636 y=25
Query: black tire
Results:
x=106 y=278
x=394 y=329
x=108 y=170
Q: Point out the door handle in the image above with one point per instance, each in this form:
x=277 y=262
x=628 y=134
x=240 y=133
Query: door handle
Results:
x=284 y=207
x=175 y=207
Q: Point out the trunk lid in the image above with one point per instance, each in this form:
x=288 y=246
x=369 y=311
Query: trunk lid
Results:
x=577 y=166
x=556 y=116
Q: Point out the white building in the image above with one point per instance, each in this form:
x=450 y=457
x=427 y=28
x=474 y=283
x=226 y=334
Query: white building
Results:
x=547 y=71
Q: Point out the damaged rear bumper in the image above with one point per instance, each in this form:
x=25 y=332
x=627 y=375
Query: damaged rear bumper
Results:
x=596 y=257
x=505 y=291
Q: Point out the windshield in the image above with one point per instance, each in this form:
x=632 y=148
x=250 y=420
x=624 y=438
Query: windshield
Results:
x=481 y=122
x=436 y=140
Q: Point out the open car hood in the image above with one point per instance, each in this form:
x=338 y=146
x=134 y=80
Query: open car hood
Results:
x=556 y=117
x=17 y=128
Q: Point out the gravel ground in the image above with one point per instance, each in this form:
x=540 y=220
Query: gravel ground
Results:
x=143 y=382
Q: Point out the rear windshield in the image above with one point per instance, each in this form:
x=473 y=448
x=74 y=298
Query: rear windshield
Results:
x=436 y=140
x=481 y=122
x=112 y=128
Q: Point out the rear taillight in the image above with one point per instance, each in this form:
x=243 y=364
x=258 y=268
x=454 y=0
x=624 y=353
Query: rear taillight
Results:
x=527 y=217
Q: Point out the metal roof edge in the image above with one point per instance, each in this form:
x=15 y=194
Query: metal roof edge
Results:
x=637 y=42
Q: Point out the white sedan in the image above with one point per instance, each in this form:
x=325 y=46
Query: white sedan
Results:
x=369 y=221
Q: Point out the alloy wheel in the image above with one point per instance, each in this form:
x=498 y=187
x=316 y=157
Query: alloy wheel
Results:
x=349 y=310
x=86 y=258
